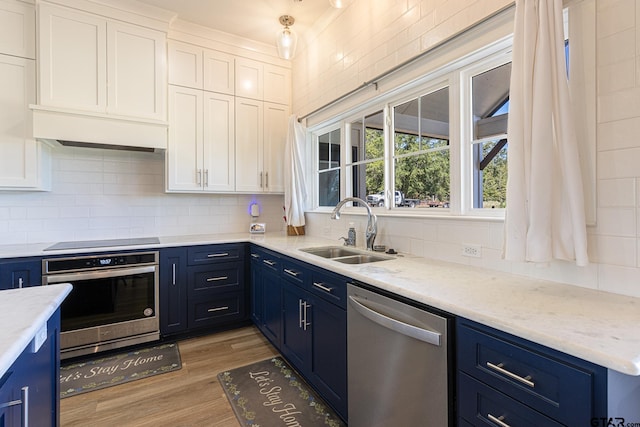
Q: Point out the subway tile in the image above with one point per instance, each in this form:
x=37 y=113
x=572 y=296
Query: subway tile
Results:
x=619 y=134
x=616 y=48
x=615 y=17
x=618 y=163
x=619 y=280
x=617 y=192
x=616 y=77
x=616 y=222
x=620 y=251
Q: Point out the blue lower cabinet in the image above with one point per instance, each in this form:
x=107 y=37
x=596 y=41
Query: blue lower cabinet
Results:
x=202 y=287
x=518 y=382
x=301 y=309
x=173 y=291
x=20 y=273
x=30 y=390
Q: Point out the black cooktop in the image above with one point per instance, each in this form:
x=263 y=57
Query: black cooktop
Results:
x=88 y=244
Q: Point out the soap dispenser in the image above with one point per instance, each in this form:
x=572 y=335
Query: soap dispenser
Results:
x=351 y=235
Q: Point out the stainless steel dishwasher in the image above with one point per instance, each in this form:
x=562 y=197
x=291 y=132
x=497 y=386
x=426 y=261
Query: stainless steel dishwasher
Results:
x=397 y=359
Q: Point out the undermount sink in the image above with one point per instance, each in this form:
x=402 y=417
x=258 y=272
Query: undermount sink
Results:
x=361 y=259
x=345 y=255
x=330 y=251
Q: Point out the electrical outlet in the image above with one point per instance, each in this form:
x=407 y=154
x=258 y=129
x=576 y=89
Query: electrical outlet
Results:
x=474 y=251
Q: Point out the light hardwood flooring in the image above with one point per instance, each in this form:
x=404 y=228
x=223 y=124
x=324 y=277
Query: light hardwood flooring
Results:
x=189 y=397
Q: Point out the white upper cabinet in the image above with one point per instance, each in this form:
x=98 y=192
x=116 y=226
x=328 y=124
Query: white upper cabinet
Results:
x=261 y=132
x=261 y=81
x=23 y=161
x=200 y=68
x=95 y=64
x=219 y=72
x=17 y=29
x=249 y=79
x=201 y=154
x=185 y=65
x=276 y=119
x=277 y=84
x=72 y=59
x=135 y=71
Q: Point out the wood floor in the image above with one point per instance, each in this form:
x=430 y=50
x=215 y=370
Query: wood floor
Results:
x=189 y=397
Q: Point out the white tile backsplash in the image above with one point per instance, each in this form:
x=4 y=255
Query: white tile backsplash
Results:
x=99 y=194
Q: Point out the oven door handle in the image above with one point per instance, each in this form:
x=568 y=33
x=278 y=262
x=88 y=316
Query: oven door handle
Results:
x=104 y=274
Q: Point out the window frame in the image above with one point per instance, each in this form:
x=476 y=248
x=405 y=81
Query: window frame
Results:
x=449 y=75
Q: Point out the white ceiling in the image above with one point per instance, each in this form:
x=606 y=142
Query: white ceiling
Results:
x=252 y=19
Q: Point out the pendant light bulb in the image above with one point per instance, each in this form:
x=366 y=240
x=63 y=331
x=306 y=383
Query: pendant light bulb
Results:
x=339 y=4
x=286 y=39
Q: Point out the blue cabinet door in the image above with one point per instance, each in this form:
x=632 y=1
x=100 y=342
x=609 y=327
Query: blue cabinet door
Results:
x=296 y=326
x=256 y=289
x=173 y=290
x=272 y=306
x=20 y=273
x=328 y=347
x=32 y=383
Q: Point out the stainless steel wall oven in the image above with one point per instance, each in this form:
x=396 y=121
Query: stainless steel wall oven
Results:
x=114 y=301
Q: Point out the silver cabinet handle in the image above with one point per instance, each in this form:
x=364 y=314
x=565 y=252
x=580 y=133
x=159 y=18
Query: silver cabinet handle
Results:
x=291 y=272
x=221 y=254
x=421 y=334
x=213 y=279
x=256 y=256
x=25 y=406
x=524 y=380
x=261 y=183
x=320 y=285
x=211 y=310
x=299 y=313
x=206 y=177
x=498 y=420
x=199 y=176
x=20 y=282
x=173 y=266
x=24 y=401
x=269 y=262
x=267 y=179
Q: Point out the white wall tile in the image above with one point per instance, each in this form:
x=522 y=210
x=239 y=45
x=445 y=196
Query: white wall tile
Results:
x=617 y=192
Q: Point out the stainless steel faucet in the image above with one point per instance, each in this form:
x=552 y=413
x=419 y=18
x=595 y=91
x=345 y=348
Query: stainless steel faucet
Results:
x=372 y=221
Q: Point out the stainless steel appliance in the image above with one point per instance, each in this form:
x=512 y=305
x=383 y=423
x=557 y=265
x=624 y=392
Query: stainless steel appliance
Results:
x=114 y=301
x=397 y=359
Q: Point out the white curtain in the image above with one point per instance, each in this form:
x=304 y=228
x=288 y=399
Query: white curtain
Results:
x=295 y=189
x=545 y=216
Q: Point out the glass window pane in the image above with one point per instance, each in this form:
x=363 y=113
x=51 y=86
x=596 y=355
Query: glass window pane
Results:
x=491 y=174
x=368 y=179
x=490 y=104
x=374 y=136
x=323 y=156
x=423 y=180
x=329 y=188
x=490 y=98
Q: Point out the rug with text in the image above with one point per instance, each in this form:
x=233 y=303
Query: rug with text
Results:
x=270 y=393
x=94 y=374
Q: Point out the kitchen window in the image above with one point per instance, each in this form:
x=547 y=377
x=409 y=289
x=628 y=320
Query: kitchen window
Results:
x=438 y=144
x=328 y=171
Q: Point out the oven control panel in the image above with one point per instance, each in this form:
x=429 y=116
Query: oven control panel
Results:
x=98 y=262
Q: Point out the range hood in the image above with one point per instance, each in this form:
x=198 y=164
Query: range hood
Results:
x=85 y=129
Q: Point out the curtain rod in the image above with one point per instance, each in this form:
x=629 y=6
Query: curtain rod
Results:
x=375 y=80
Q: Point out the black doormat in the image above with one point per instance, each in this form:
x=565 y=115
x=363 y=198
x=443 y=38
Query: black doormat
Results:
x=271 y=394
x=106 y=371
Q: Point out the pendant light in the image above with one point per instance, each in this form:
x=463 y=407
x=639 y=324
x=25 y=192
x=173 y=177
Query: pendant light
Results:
x=339 y=4
x=286 y=39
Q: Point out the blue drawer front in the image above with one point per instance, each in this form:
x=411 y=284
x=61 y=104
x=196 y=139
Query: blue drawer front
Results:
x=480 y=403
x=557 y=387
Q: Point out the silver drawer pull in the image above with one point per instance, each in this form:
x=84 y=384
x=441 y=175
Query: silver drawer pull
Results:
x=24 y=402
x=291 y=272
x=269 y=262
x=498 y=420
x=255 y=256
x=218 y=255
x=211 y=310
x=213 y=279
x=524 y=380
x=323 y=287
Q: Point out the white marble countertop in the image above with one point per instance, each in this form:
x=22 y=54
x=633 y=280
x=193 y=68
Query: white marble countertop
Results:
x=22 y=313
x=596 y=326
